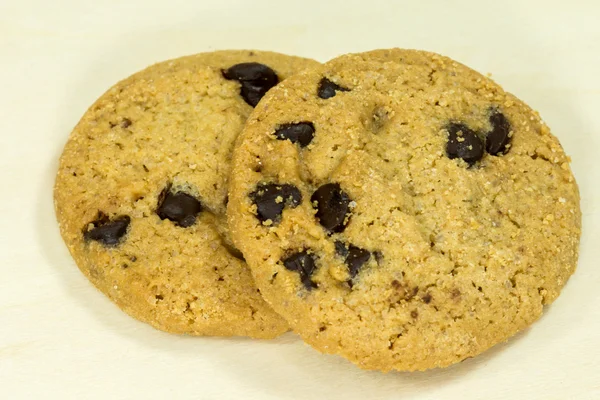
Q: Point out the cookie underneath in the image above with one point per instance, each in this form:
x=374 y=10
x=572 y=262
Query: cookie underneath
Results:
x=141 y=193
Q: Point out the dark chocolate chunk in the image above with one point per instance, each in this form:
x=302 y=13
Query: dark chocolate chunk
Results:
x=250 y=72
x=256 y=80
x=355 y=259
x=303 y=263
x=463 y=143
x=333 y=207
x=327 y=89
x=498 y=139
x=341 y=248
x=354 y=256
x=272 y=198
x=179 y=207
x=299 y=132
x=106 y=231
x=252 y=93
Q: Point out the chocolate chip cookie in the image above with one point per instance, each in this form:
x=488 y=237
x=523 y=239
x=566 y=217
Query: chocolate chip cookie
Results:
x=402 y=210
x=141 y=193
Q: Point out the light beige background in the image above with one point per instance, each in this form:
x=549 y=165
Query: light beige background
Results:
x=60 y=338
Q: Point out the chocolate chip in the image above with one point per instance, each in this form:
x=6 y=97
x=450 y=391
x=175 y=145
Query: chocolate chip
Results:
x=354 y=256
x=256 y=79
x=250 y=72
x=327 y=89
x=271 y=199
x=463 y=143
x=341 y=248
x=427 y=298
x=299 y=132
x=106 y=231
x=252 y=93
x=304 y=264
x=333 y=207
x=180 y=208
x=497 y=140
x=126 y=123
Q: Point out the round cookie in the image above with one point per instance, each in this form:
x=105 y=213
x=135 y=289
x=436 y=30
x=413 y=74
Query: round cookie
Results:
x=402 y=210
x=141 y=193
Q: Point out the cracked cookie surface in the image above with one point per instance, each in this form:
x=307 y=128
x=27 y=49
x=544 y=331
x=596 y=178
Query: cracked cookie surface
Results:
x=141 y=193
x=437 y=213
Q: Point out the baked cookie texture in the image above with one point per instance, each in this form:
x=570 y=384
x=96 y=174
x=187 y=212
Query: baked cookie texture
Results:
x=402 y=210
x=141 y=193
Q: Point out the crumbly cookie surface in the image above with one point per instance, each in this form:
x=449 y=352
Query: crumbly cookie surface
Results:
x=141 y=193
x=402 y=210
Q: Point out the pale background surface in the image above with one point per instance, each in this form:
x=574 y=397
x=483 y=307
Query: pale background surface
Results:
x=60 y=338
